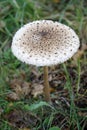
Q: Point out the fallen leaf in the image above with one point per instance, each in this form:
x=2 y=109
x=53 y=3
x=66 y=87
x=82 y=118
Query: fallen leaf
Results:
x=12 y=96
x=19 y=88
x=23 y=89
x=37 y=89
x=26 y=88
x=15 y=82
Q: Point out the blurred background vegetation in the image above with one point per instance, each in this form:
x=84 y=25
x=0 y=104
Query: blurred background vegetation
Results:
x=73 y=116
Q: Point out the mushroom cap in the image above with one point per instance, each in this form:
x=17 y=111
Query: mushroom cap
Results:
x=44 y=43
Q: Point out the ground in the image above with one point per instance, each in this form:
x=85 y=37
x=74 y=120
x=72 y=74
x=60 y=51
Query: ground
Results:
x=22 y=105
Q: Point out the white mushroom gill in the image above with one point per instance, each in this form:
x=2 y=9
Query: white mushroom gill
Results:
x=45 y=43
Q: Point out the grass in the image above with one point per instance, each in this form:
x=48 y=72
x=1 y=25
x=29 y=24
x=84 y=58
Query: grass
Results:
x=69 y=109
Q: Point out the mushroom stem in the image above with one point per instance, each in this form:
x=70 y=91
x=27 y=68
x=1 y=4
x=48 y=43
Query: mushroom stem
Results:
x=46 y=85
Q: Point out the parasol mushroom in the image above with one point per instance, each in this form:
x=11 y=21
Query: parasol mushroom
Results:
x=45 y=43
